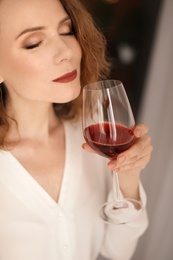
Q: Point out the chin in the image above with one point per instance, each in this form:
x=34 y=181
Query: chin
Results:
x=67 y=97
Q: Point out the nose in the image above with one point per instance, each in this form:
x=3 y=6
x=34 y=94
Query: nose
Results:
x=63 y=50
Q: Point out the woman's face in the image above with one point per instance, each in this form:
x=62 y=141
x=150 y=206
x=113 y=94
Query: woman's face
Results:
x=37 y=48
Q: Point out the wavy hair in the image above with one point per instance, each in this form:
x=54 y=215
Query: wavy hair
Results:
x=94 y=64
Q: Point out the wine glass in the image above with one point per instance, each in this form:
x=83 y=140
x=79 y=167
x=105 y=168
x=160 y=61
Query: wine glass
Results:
x=108 y=125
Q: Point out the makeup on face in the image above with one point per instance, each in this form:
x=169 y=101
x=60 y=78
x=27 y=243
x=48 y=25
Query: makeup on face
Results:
x=40 y=58
x=68 y=77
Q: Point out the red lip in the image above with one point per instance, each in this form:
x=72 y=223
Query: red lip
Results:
x=67 y=77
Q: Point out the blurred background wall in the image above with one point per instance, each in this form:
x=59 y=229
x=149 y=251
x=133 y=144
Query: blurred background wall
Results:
x=140 y=42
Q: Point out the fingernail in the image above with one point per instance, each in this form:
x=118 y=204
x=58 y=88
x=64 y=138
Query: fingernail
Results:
x=112 y=165
x=138 y=132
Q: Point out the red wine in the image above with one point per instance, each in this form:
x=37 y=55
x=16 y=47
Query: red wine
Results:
x=102 y=138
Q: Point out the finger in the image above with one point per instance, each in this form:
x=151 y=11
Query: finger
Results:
x=146 y=154
x=134 y=153
x=86 y=147
x=136 y=149
x=140 y=129
x=137 y=165
x=147 y=150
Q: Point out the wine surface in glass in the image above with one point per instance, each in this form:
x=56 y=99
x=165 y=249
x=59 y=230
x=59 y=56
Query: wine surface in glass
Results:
x=109 y=139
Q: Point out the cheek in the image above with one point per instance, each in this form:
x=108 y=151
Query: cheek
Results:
x=15 y=69
x=77 y=51
x=25 y=67
x=22 y=76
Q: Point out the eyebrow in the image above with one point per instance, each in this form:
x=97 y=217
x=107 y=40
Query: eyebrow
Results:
x=38 y=28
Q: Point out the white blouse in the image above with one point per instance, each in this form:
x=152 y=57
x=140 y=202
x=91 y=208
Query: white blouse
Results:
x=34 y=227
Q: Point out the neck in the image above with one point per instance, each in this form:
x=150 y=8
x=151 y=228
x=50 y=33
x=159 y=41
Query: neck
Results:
x=34 y=121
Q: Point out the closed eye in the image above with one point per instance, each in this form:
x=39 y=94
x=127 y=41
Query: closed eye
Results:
x=32 y=46
x=67 y=34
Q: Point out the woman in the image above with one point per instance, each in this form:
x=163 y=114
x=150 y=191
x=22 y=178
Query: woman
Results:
x=51 y=189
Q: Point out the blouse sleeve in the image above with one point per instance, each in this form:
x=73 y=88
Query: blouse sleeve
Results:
x=121 y=240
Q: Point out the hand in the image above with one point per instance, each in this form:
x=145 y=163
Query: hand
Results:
x=137 y=156
x=130 y=162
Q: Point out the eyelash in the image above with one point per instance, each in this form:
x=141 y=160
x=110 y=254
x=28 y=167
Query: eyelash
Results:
x=68 y=34
x=32 y=46
x=36 y=45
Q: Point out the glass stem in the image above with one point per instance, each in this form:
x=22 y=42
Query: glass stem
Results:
x=116 y=190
